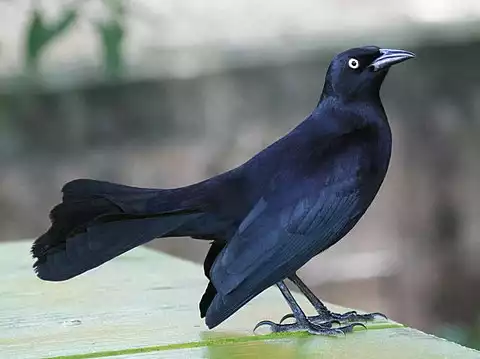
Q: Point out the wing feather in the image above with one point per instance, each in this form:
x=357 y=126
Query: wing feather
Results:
x=267 y=251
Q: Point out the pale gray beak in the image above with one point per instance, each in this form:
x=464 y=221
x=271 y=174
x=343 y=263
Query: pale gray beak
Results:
x=390 y=57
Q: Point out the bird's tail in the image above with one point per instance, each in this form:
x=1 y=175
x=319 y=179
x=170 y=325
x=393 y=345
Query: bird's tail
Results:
x=96 y=222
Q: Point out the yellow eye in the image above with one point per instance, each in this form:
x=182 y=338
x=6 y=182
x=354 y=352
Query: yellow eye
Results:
x=353 y=63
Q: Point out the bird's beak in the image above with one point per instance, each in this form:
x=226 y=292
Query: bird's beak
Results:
x=389 y=57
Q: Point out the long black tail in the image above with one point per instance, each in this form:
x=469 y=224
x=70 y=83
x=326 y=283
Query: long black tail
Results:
x=98 y=221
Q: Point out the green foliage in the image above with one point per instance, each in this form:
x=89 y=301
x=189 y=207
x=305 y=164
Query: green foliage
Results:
x=467 y=336
x=112 y=35
x=40 y=34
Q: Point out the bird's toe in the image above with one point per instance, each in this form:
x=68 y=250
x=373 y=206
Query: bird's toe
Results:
x=349 y=328
x=307 y=326
x=347 y=317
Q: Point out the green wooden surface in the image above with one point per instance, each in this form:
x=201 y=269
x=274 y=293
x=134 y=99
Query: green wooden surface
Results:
x=145 y=305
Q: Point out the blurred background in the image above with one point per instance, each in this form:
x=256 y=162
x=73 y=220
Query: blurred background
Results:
x=163 y=93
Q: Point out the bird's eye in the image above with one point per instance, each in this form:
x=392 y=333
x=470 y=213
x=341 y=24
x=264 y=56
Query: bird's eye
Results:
x=353 y=63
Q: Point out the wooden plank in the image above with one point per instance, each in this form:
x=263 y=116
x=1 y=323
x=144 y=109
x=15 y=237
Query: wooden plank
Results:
x=145 y=304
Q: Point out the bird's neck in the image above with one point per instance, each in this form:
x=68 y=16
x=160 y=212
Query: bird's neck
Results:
x=351 y=98
x=359 y=113
x=370 y=107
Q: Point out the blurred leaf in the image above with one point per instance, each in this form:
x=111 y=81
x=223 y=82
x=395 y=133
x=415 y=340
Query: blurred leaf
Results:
x=68 y=19
x=112 y=34
x=467 y=336
x=116 y=7
x=39 y=34
x=36 y=35
x=112 y=38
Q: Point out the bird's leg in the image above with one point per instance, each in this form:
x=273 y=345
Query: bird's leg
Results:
x=302 y=323
x=325 y=316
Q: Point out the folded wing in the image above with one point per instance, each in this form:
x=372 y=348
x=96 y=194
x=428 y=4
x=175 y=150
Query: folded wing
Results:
x=278 y=237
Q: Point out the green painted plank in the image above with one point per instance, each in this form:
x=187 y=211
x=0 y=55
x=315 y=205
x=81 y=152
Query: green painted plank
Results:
x=145 y=304
x=398 y=343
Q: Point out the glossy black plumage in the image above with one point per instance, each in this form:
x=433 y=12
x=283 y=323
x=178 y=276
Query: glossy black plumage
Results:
x=266 y=218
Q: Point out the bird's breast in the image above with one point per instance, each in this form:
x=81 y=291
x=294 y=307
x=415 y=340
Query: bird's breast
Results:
x=360 y=169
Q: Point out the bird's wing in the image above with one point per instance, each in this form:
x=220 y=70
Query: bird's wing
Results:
x=272 y=237
x=276 y=239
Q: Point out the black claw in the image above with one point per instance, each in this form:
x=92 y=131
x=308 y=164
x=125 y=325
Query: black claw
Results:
x=378 y=314
x=349 y=328
x=354 y=316
x=285 y=317
x=306 y=325
x=264 y=322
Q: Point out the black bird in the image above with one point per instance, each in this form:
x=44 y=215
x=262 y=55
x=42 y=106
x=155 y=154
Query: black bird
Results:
x=265 y=218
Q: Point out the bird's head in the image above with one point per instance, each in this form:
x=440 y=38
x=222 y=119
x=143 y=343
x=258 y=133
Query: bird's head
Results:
x=358 y=73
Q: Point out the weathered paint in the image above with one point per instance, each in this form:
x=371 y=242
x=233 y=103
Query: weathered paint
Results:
x=145 y=304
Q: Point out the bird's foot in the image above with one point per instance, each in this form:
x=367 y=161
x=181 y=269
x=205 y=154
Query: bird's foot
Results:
x=353 y=316
x=310 y=327
x=329 y=318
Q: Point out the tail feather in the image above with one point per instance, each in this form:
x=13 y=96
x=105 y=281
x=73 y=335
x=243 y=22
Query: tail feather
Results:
x=86 y=188
x=96 y=222
x=102 y=242
x=70 y=217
